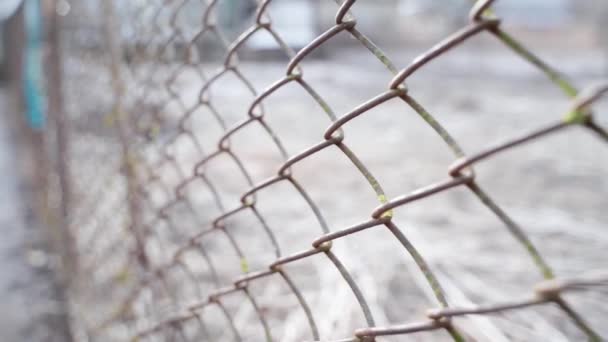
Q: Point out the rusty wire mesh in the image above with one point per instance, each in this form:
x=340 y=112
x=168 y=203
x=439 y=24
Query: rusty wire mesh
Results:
x=168 y=251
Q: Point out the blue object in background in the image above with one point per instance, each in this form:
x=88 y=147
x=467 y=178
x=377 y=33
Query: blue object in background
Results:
x=32 y=73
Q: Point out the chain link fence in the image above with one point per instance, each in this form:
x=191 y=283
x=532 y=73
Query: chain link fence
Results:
x=197 y=214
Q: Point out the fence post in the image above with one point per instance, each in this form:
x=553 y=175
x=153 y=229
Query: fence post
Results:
x=56 y=108
x=112 y=40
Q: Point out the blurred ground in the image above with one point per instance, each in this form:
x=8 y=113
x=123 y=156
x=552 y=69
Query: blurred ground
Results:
x=12 y=246
x=483 y=94
x=31 y=309
x=555 y=188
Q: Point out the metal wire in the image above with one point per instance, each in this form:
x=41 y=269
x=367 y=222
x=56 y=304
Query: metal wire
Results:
x=149 y=153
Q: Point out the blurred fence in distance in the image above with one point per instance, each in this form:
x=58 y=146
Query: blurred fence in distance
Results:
x=163 y=120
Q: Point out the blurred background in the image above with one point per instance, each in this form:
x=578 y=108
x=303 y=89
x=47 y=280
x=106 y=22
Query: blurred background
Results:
x=113 y=146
